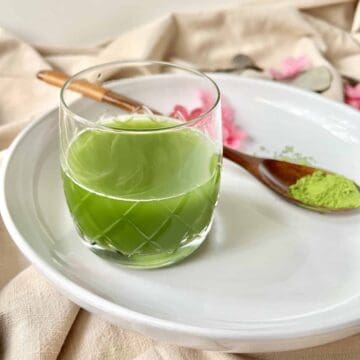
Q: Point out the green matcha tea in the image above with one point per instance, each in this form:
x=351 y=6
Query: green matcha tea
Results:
x=141 y=192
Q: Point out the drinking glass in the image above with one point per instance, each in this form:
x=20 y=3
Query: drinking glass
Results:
x=141 y=186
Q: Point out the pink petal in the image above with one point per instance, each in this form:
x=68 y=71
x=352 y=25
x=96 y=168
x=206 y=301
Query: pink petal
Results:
x=195 y=113
x=352 y=91
x=240 y=134
x=355 y=103
x=232 y=142
x=232 y=134
x=290 y=67
x=277 y=75
x=182 y=110
x=225 y=132
x=227 y=113
x=206 y=99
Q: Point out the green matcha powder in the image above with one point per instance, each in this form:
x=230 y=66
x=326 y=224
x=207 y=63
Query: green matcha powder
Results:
x=326 y=190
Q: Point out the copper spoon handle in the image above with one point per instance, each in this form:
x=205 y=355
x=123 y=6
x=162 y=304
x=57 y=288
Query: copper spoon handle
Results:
x=91 y=90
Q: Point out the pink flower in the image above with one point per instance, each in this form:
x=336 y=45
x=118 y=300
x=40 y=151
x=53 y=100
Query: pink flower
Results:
x=180 y=110
x=290 y=67
x=352 y=95
x=232 y=134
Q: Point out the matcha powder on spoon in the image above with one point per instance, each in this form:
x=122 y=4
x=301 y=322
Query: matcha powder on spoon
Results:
x=326 y=190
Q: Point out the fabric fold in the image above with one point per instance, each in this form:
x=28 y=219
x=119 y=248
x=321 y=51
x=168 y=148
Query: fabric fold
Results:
x=34 y=318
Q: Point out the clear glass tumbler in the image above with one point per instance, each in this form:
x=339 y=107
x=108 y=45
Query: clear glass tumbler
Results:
x=142 y=182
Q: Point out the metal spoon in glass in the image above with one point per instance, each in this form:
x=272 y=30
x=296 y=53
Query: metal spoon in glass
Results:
x=275 y=174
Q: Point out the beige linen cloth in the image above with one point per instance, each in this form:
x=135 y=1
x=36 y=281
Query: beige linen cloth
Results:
x=36 y=322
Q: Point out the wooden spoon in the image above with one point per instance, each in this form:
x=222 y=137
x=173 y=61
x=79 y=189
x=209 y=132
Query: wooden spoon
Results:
x=275 y=174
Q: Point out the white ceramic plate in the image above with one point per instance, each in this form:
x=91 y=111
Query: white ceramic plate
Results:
x=270 y=277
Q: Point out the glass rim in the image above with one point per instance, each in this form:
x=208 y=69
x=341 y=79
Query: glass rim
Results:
x=186 y=123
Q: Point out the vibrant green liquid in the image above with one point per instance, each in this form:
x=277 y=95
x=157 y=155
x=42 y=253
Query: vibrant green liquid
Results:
x=141 y=193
